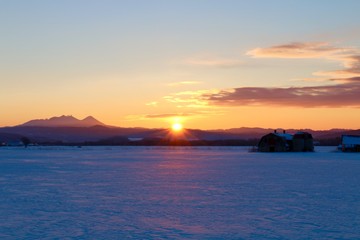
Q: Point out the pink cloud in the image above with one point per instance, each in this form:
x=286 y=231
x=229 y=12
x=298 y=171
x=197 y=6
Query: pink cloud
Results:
x=341 y=95
x=351 y=68
x=349 y=57
x=296 y=50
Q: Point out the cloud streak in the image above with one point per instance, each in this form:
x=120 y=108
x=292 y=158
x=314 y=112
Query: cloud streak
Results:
x=214 y=62
x=181 y=115
x=342 y=95
x=189 y=99
x=297 y=50
x=349 y=57
x=175 y=84
x=168 y=115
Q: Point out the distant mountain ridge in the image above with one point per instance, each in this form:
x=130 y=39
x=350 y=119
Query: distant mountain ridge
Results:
x=68 y=129
x=64 y=121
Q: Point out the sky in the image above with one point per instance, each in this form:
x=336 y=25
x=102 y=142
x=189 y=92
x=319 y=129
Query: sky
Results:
x=206 y=64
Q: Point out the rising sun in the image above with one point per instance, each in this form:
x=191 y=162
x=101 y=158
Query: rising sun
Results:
x=177 y=127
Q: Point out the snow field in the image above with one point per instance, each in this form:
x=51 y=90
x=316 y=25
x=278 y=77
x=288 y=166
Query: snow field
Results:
x=178 y=193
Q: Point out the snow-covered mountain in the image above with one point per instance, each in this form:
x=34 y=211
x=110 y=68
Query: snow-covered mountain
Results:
x=63 y=121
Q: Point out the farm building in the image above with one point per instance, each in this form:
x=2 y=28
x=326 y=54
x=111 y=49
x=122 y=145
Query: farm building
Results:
x=284 y=142
x=275 y=142
x=350 y=143
x=303 y=142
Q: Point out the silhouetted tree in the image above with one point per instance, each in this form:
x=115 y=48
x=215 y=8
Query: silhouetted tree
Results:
x=26 y=141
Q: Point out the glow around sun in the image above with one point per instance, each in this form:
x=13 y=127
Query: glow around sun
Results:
x=177 y=127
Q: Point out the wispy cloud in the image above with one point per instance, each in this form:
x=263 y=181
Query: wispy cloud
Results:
x=213 y=62
x=175 y=84
x=297 y=50
x=163 y=116
x=351 y=70
x=152 y=104
x=189 y=99
x=349 y=57
x=167 y=115
x=311 y=79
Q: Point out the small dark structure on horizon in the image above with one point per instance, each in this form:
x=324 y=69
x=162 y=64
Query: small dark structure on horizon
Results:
x=350 y=143
x=285 y=142
x=303 y=142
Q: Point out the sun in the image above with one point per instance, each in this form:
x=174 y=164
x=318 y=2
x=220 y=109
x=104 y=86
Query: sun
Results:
x=177 y=127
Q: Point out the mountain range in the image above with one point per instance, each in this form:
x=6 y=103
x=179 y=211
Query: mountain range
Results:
x=63 y=121
x=68 y=129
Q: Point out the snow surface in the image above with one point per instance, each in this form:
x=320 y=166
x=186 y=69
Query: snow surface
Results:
x=178 y=193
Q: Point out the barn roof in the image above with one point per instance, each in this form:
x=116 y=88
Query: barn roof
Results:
x=287 y=136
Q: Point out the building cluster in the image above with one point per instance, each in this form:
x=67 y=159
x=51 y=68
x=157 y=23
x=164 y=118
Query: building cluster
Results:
x=301 y=142
x=285 y=142
x=350 y=143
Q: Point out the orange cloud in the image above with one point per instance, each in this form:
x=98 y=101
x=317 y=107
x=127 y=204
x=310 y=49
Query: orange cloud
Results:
x=189 y=99
x=351 y=64
x=349 y=57
x=183 y=83
x=168 y=115
x=296 y=50
x=153 y=104
x=182 y=115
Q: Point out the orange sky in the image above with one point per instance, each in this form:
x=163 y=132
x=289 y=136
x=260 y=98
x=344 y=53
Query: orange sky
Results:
x=215 y=65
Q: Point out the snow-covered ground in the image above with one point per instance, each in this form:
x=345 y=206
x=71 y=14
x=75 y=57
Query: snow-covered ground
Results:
x=178 y=193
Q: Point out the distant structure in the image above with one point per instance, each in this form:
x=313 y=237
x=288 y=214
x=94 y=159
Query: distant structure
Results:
x=350 y=143
x=285 y=142
x=275 y=142
x=303 y=142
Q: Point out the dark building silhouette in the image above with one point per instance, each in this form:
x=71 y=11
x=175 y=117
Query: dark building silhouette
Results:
x=285 y=142
x=303 y=142
x=350 y=143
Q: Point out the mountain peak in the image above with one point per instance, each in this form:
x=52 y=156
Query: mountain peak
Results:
x=63 y=121
x=62 y=117
x=89 y=118
x=91 y=121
